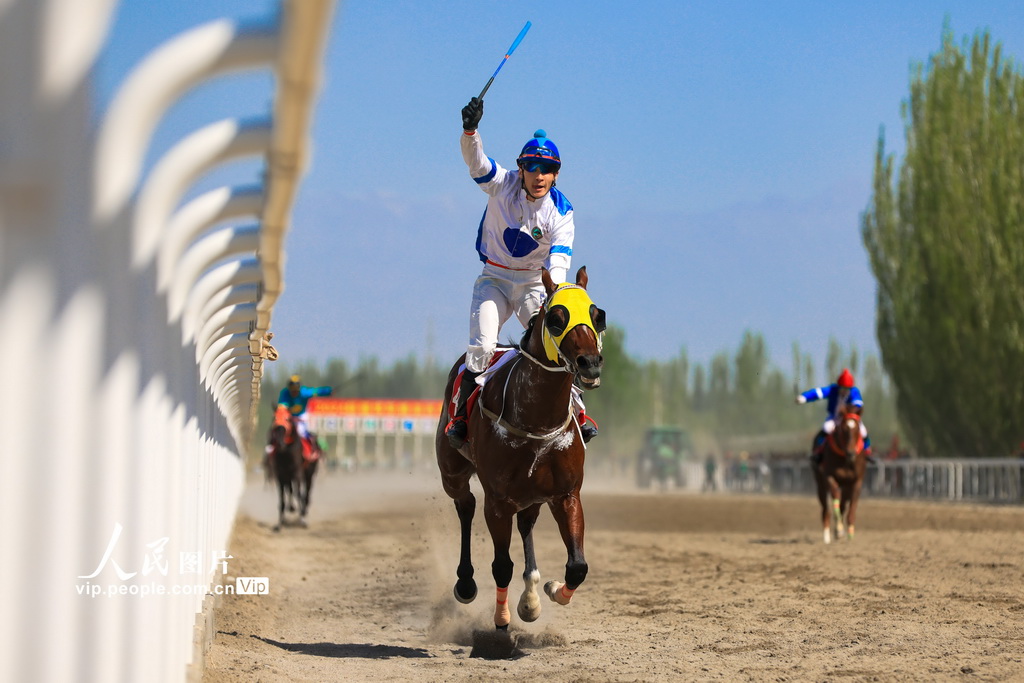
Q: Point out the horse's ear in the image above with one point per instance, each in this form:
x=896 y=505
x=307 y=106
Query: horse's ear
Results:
x=581 y=277
x=545 y=278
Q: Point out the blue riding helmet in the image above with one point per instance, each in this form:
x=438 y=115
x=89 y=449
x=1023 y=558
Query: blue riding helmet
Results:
x=540 y=148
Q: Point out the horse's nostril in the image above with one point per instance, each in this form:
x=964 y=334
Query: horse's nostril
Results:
x=590 y=364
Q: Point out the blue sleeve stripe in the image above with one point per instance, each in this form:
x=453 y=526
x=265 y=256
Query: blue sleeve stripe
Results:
x=480 y=238
x=561 y=249
x=490 y=176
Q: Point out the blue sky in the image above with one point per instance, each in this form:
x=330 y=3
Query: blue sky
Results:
x=718 y=156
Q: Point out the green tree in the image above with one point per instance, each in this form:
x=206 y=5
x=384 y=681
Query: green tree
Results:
x=946 y=241
x=751 y=366
x=833 y=359
x=621 y=404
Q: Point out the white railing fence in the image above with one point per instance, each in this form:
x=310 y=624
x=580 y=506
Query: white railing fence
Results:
x=997 y=481
x=994 y=480
x=134 y=331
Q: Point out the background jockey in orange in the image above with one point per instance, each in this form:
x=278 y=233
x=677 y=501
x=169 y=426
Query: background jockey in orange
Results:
x=295 y=398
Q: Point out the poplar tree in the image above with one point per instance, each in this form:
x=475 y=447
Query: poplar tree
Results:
x=945 y=235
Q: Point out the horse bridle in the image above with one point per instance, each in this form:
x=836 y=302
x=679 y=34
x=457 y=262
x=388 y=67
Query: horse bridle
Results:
x=511 y=429
x=846 y=416
x=549 y=368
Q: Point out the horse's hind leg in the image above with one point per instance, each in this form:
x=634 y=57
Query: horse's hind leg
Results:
x=292 y=495
x=529 y=602
x=465 y=587
x=455 y=474
x=837 y=509
x=568 y=514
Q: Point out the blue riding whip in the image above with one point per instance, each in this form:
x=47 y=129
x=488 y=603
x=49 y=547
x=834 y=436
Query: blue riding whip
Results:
x=508 y=54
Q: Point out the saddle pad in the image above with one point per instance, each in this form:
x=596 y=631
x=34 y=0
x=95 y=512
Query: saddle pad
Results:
x=502 y=355
x=308 y=454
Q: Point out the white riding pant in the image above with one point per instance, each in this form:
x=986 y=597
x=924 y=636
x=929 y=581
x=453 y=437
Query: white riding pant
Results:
x=830 y=426
x=498 y=294
x=302 y=425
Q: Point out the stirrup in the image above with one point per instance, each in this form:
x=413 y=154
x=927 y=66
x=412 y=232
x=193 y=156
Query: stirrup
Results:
x=588 y=427
x=456 y=431
x=588 y=432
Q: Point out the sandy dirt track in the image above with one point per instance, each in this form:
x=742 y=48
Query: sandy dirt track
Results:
x=682 y=587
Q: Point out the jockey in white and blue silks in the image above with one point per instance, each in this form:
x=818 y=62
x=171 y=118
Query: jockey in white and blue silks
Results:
x=843 y=392
x=527 y=225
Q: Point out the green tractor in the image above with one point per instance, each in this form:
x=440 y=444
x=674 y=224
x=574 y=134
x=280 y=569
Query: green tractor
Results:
x=661 y=457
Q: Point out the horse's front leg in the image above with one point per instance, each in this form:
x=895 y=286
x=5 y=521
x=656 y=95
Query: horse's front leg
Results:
x=851 y=517
x=568 y=514
x=529 y=602
x=308 y=472
x=823 y=491
x=280 y=504
x=499 y=523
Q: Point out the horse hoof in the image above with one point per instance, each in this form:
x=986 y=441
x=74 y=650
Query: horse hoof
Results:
x=554 y=591
x=529 y=607
x=302 y=524
x=468 y=592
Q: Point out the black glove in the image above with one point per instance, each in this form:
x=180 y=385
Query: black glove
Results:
x=472 y=113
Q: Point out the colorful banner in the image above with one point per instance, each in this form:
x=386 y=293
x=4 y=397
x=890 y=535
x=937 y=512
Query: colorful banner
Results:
x=374 y=407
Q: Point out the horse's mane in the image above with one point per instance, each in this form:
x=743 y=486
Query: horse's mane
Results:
x=526 y=335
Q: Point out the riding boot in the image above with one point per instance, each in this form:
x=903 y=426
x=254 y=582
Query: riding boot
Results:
x=588 y=428
x=458 y=428
x=818 y=449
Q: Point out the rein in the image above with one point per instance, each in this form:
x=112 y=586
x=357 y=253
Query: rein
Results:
x=515 y=431
x=557 y=368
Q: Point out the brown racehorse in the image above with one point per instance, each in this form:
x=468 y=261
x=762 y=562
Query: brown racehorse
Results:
x=840 y=474
x=293 y=472
x=524 y=445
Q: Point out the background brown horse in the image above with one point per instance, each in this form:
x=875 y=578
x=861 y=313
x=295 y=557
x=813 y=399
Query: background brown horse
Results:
x=292 y=472
x=525 y=447
x=840 y=474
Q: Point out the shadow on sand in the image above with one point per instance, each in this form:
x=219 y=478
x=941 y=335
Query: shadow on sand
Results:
x=359 y=650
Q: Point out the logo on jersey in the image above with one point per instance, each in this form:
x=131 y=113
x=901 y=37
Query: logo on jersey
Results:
x=517 y=242
x=536 y=233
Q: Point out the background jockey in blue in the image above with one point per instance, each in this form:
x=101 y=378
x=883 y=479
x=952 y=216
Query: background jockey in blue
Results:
x=295 y=398
x=527 y=225
x=843 y=392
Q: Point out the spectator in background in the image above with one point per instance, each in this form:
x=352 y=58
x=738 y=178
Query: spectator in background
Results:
x=710 y=466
